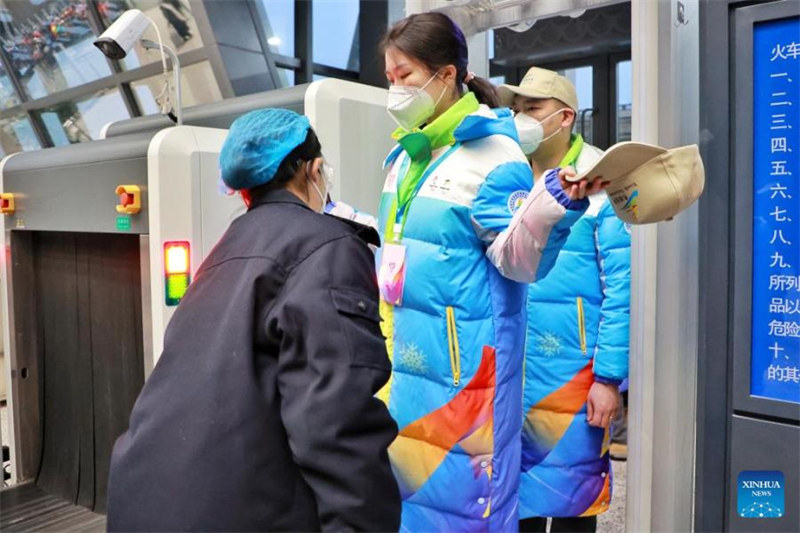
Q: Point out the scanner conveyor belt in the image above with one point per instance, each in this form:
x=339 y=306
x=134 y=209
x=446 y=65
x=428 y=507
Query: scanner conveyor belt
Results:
x=29 y=508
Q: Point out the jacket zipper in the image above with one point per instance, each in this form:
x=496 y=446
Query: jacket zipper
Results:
x=581 y=325
x=452 y=345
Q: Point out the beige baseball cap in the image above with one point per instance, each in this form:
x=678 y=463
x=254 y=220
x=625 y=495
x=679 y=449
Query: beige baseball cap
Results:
x=648 y=183
x=540 y=83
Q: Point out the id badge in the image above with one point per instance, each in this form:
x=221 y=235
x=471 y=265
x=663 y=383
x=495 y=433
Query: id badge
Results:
x=392 y=273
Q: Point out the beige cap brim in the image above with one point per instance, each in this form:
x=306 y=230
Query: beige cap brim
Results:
x=648 y=183
x=619 y=160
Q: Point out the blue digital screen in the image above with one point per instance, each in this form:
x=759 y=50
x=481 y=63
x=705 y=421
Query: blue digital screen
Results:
x=775 y=350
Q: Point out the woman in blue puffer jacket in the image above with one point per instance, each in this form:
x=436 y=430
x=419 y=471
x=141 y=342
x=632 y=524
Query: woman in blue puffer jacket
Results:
x=464 y=231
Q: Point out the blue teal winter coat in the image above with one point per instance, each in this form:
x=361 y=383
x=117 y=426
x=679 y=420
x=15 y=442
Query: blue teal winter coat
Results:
x=476 y=234
x=578 y=333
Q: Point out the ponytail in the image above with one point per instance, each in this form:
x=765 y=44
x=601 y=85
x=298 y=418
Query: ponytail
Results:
x=484 y=91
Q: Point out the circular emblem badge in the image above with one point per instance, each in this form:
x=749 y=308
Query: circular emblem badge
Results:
x=516 y=200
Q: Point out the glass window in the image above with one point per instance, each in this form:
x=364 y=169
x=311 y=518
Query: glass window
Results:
x=397 y=10
x=198 y=86
x=336 y=33
x=497 y=80
x=582 y=78
x=173 y=18
x=624 y=101
x=286 y=77
x=8 y=97
x=277 y=18
x=16 y=135
x=50 y=45
x=80 y=121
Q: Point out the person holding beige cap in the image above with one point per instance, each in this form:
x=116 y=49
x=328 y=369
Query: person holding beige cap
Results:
x=577 y=329
x=648 y=183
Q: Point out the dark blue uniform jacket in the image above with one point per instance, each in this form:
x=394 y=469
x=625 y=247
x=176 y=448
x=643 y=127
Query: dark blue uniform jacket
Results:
x=260 y=414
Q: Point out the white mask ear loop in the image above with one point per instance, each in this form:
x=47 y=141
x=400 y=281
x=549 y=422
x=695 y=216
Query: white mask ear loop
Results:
x=548 y=117
x=441 y=94
x=322 y=197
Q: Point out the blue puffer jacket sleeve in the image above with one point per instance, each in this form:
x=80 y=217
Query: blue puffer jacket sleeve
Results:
x=524 y=228
x=613 y=245
x=558 y=235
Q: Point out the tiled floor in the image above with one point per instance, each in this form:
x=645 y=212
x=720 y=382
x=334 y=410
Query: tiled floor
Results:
x=28 y=508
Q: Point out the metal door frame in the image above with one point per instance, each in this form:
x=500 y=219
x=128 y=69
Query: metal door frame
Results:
x=664 y=280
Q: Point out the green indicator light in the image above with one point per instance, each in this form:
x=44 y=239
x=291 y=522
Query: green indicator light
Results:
x=176 y=285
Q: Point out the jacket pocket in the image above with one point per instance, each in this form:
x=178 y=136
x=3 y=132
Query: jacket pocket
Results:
x=360 y=322
x=452 y=345
x=581 y=325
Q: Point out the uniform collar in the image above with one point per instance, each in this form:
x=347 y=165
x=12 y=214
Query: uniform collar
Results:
x=366 y=233
x=570 y=158
x=282 y=196
x=277 y=196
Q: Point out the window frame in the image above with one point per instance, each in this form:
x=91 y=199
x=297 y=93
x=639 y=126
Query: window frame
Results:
x=119 y=79
x=302 y=63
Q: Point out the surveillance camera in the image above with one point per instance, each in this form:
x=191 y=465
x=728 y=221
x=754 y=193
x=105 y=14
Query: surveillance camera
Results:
x=120 y=37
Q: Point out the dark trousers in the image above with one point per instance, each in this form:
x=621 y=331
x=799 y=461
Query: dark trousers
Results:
x=619 y=426
x=578 y=524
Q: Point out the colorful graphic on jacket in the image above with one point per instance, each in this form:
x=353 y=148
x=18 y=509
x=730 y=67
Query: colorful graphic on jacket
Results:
x=466 y=420
x=600 y=504
x=544 y=428
x=547 y=421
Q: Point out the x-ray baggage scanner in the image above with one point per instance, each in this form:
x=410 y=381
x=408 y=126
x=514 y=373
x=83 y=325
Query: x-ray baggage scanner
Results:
x=101 y=240
x=350 y=120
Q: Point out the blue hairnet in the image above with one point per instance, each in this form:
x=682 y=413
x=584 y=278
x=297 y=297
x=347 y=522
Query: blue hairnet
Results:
x=256 y=145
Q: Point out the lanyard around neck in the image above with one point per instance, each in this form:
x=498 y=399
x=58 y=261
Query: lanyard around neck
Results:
x=407 y=190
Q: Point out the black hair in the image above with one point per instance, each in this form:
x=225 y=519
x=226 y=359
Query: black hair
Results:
x=306 y=151
x=436 y=41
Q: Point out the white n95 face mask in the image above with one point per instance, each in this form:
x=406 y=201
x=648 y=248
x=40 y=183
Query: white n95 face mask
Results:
x=411 y=106
x=531 y=132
